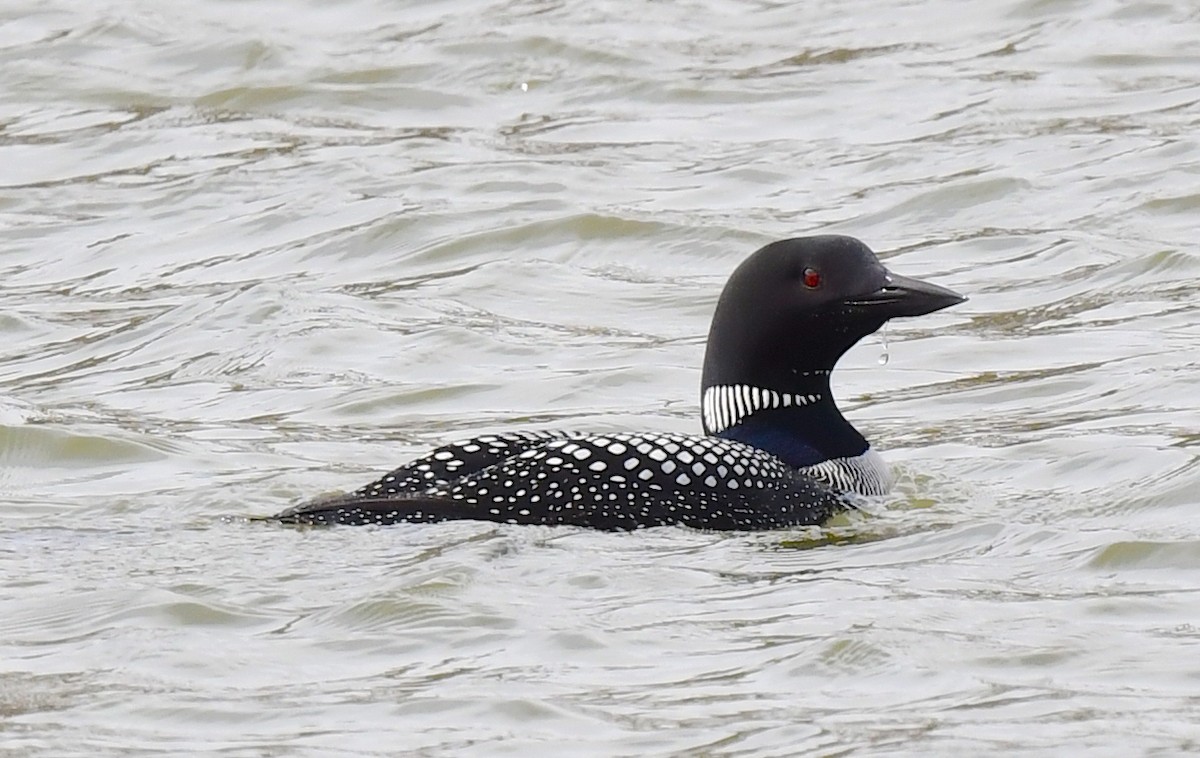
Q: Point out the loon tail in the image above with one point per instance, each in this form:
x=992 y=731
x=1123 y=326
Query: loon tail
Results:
x=356 y=510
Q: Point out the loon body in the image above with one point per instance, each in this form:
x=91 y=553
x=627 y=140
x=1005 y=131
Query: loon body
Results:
x=776 y=451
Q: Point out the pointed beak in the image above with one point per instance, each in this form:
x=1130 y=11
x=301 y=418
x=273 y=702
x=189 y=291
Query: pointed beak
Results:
x=904 y=296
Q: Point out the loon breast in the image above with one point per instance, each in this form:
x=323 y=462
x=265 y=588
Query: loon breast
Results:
x=864 y=474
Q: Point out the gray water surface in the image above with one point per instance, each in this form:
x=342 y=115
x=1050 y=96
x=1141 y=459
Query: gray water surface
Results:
x=255 y=251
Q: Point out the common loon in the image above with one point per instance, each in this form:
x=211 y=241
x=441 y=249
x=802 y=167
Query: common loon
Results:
x=776 y=451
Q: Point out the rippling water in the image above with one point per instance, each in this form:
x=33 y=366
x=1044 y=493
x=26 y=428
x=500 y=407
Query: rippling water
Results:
x=254 y=251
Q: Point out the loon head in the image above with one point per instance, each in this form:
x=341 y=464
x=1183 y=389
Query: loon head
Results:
x=786 y=316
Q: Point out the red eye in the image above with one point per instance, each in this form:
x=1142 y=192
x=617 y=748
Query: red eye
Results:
x=812 y=278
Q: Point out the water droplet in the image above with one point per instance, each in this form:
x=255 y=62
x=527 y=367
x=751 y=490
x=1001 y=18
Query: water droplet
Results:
x=884 y=357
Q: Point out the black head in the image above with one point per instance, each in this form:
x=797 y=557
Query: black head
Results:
x=797 y=305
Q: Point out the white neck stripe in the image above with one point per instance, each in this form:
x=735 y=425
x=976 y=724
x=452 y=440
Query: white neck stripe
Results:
x=728 y=405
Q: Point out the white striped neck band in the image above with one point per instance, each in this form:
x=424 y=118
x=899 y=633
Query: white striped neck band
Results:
x=727 y=405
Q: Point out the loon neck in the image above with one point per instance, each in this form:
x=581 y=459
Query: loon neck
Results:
x=801 y=425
